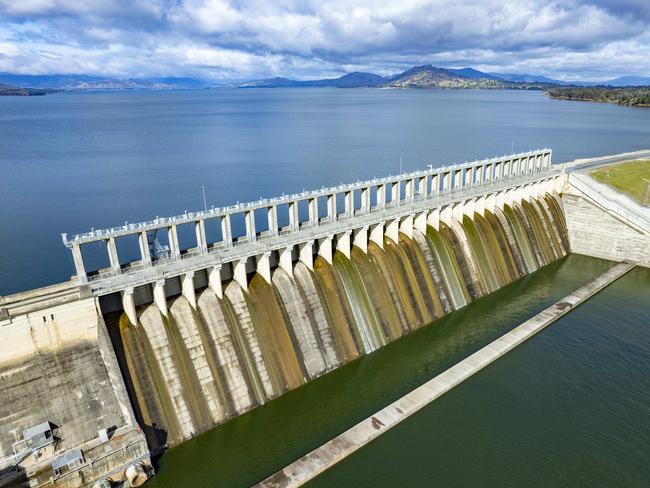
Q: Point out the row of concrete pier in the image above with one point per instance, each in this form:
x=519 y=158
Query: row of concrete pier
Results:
x=372 y=209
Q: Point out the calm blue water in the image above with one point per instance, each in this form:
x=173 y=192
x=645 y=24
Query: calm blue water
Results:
x=70 y=162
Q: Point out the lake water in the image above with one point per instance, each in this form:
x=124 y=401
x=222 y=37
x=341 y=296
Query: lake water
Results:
x=70 y=162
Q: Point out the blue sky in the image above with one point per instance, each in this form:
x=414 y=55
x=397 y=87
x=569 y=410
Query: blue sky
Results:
x=240 y=39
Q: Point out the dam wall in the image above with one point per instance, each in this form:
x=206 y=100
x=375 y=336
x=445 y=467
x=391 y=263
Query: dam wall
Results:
x=144 y=355
x=604 y=223
x=189 y=368
x=202 y=337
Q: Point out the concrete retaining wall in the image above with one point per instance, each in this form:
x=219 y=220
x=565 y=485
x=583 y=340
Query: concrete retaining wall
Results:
x=599 y=225
x=51 y=369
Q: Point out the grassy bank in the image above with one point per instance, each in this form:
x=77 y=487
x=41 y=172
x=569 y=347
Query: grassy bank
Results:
x=631 y=178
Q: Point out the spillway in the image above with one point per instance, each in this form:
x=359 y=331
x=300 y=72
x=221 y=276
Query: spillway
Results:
x=188 y=338
x=197 y=367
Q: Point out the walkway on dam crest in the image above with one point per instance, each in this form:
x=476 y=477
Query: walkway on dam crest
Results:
x=330 y=453
x=337 y=216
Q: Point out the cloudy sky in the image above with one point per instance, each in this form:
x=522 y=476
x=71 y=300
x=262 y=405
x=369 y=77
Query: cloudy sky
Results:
x=242 y=39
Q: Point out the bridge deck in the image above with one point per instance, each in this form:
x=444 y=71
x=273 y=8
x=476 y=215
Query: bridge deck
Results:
x=111 y=281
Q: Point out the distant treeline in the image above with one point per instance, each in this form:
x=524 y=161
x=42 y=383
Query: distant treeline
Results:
x=631 y=96
x=19 y=91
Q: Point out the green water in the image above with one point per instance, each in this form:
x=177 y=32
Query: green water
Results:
x=251 y=447
x=570 y=407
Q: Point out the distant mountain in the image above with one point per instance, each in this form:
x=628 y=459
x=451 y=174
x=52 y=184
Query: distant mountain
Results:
x=351 y=80
x=524 y=78
x=475 y=74
x=425 y=76
x=628 y=81
x=428 y=76
x=178 y=82
x=277 y=82
x=45 y=81
x=10 y=90
x=89 y=83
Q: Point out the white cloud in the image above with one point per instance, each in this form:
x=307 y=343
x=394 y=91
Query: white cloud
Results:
x=251 y=38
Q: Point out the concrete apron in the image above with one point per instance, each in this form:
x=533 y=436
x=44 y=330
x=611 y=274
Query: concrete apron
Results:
x=330 y=453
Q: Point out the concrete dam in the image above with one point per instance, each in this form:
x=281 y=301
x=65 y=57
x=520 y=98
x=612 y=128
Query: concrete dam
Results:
x=99 y=373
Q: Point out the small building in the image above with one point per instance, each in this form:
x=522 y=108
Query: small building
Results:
x=67 y=462
x=35 y=438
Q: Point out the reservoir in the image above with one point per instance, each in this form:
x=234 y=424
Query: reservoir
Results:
x=71 y=162
x=288 y=427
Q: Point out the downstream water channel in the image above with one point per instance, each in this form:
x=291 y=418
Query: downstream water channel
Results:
x=249 y=448
x=569 y=407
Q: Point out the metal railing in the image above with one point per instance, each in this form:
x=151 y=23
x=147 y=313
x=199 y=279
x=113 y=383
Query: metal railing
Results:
x=219 y=212
x=137 y=274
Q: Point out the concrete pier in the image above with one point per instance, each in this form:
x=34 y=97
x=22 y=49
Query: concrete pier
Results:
x=330 y=453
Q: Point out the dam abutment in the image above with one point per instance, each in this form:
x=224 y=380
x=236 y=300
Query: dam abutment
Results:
x=64 y=400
